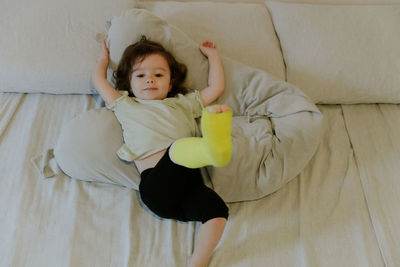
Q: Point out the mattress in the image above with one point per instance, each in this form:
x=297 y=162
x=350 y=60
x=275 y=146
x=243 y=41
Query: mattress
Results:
x=341 y=210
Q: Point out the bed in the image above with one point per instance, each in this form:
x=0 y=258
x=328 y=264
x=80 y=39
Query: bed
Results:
x=341 y=209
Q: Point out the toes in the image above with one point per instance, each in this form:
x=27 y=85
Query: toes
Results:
x=218 y=108
x=225 y=108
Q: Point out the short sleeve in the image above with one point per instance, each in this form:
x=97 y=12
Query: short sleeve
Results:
x=193 y=101
x=113 y=105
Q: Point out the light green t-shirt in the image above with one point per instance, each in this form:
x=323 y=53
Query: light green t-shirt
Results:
x=150 y=126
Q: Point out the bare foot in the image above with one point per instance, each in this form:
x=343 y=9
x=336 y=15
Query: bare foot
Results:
x=217 y=108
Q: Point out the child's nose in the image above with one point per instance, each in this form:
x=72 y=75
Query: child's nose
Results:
x=149 y=80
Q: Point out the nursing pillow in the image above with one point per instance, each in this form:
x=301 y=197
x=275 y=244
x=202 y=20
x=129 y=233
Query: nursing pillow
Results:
x=275 y=128
x=86 y=149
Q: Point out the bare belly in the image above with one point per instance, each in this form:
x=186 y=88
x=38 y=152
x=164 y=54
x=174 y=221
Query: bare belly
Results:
x=150 y=161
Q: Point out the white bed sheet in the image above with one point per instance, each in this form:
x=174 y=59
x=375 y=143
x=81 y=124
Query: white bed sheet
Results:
x=375 y=134
x=321 y=218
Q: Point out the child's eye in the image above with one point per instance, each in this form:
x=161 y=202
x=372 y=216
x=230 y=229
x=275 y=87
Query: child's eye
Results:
x=159 y=75
x=140 y=75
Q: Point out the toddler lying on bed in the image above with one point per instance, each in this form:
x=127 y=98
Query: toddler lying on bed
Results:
x=157 y=115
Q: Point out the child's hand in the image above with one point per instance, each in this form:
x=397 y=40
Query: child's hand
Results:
x=104 y=54
x=209 y=49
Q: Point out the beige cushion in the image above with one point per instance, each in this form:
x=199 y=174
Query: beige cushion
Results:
x=86 y=149
x=242 y=31
x=341 y=54
x=50 y=46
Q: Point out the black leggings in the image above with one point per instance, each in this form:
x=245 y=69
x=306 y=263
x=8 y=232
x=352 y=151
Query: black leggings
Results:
x=176 y=192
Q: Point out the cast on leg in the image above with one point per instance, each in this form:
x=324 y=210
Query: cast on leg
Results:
x=214 y=148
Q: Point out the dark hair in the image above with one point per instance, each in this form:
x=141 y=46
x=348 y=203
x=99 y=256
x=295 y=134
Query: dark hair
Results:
x=136 y=53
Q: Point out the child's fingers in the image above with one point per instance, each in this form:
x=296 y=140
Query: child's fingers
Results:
x=104 y=44
x=105 y=49
x=208 y=44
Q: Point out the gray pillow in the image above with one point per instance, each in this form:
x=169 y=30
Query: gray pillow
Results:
x=86 y=150
x=45 y=49
x=341 y=54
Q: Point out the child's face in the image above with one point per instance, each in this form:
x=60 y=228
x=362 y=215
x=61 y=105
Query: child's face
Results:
x=151 y=78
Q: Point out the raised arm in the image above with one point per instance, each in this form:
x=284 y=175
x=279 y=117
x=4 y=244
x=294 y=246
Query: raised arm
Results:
x=216 y=81
x=99 y=77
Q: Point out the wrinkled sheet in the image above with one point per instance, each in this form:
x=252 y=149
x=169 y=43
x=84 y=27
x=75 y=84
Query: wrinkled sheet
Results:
x=375 y=134
x=326 y=216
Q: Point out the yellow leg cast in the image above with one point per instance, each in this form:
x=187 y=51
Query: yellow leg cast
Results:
x=214 y=148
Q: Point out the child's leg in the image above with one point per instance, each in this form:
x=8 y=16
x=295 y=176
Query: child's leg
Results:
x=207 y=239
x=214 y=148
x=201 y=203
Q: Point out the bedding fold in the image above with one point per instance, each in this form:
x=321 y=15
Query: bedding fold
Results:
x=8 y=105
x=374 y=131
x=46 y=164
